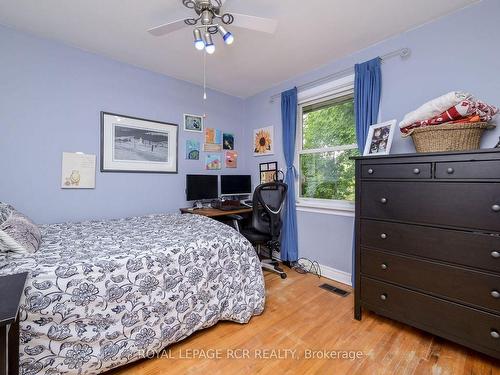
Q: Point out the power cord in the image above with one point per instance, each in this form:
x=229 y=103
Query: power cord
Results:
x=306 y=265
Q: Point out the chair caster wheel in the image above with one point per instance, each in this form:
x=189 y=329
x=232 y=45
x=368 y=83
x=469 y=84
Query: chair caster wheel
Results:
x=283 y=275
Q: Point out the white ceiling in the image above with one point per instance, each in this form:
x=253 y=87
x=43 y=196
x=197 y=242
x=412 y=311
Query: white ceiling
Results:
x=310 y=34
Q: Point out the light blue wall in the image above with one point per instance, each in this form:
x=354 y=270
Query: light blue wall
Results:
x=457 y=52
x=51 y=96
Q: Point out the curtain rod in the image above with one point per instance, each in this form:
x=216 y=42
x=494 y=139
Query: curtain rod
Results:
x=403 y=52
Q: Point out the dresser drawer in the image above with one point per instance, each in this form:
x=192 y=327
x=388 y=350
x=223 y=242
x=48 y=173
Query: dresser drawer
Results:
x=467 y=205
x=484 y=169
x=472 y=287
x=388 y=171
x=462 y=324
x=463 y=248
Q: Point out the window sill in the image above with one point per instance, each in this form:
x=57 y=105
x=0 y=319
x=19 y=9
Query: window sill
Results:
x=338 y=208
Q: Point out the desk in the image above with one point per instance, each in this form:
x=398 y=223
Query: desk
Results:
x=215 y=212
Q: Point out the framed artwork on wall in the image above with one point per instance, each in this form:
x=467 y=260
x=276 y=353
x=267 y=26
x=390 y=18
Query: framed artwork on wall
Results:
x=379 y=139
x=213 y=162
x=268 y=172
x=228 y=141
x=132 y=144
x=193 y=123
x=213 y=136
x=192 y=150
x=231 y=159
x=263 y=141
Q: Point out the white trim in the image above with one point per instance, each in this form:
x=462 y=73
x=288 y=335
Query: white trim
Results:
x=336 y=275
x=330 y=90
x=325 y=206
x=328 y=149
x=335 y=87
x=325 y=211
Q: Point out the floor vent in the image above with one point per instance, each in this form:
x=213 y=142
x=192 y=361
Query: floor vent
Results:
x=335 y=290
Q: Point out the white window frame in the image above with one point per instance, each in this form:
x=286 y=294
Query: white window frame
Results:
x=328 y=91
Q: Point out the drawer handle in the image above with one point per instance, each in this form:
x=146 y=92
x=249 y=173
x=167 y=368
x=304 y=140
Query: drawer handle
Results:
x=383 y=297
x=384 y=201
x=494 y=333
x=383 y=266
x=383 y=236
x=370 y=171
x=496 y=207
x=495 y=254
x=495 y=294
x=450 y=171
x=416 y=171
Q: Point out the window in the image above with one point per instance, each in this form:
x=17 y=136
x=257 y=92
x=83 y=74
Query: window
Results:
x=326 y=141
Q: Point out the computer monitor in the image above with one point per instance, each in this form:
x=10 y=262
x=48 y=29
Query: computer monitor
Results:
x=200 y=187
x=236 y=185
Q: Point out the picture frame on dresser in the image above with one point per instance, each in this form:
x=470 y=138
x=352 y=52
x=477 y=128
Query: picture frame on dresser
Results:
x=379 y=139
x=138 y=145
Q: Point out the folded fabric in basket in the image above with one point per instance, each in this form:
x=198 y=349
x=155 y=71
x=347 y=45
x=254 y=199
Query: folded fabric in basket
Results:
x=434 y=107
x=466 y=109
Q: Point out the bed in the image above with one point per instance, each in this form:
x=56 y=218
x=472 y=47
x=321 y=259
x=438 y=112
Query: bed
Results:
x=105 y=293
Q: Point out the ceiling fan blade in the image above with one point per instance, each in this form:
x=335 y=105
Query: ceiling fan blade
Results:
x=167 y=28
x=265 y=25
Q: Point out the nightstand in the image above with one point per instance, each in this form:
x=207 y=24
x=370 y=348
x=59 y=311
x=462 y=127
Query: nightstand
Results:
x=11 y=290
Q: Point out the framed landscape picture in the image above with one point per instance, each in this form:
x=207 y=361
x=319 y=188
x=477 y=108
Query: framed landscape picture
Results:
x=193 y=123
x=130 y=144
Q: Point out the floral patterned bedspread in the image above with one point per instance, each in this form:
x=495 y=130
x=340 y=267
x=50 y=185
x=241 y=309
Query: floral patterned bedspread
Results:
x=103 y=293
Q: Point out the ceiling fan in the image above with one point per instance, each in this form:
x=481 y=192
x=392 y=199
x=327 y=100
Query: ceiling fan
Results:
x=210 y=20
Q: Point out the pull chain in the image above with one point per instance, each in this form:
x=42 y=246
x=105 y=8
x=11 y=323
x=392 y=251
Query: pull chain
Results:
x=204 y=75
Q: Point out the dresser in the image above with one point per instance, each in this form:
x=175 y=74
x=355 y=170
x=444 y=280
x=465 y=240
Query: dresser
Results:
x=428 y=243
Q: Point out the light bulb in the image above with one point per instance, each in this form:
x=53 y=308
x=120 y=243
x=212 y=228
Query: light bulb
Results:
x=199 y=45
x=210 y=48
x=226 y=35
x=209 y=44
x=198 y=41
x=229 y=38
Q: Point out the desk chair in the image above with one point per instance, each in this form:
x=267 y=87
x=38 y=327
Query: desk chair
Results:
x=268 y=202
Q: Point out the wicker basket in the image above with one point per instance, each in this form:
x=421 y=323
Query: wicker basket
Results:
x=451 y=137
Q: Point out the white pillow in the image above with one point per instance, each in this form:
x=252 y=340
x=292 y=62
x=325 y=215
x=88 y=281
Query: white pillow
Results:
x=19 y=234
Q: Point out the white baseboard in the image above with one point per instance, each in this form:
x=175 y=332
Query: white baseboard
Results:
x=336 y=275
x=328 y=272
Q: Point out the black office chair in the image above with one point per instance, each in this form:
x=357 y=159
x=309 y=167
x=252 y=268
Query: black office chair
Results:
x=268 y=202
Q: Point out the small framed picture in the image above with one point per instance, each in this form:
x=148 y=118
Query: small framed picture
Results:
x=379 y=140
x=193 y=123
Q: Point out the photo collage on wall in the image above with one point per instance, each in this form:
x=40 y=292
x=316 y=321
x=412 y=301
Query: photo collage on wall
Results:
x=217 y=145
x=268 y=172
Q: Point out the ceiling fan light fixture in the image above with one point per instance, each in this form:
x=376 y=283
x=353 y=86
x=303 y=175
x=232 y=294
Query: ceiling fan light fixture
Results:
x=209 y=44
x=226 y=35
x=199 y=44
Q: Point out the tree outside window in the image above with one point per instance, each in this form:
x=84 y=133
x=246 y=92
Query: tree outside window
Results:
x=328 y=141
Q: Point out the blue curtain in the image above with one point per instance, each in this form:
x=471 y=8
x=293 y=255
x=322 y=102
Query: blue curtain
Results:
x=289 y=248
x=367 y=89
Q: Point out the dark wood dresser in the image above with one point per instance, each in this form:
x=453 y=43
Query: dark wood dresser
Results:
x=428 y=243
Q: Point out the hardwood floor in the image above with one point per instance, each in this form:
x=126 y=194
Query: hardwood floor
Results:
x=300 y=316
